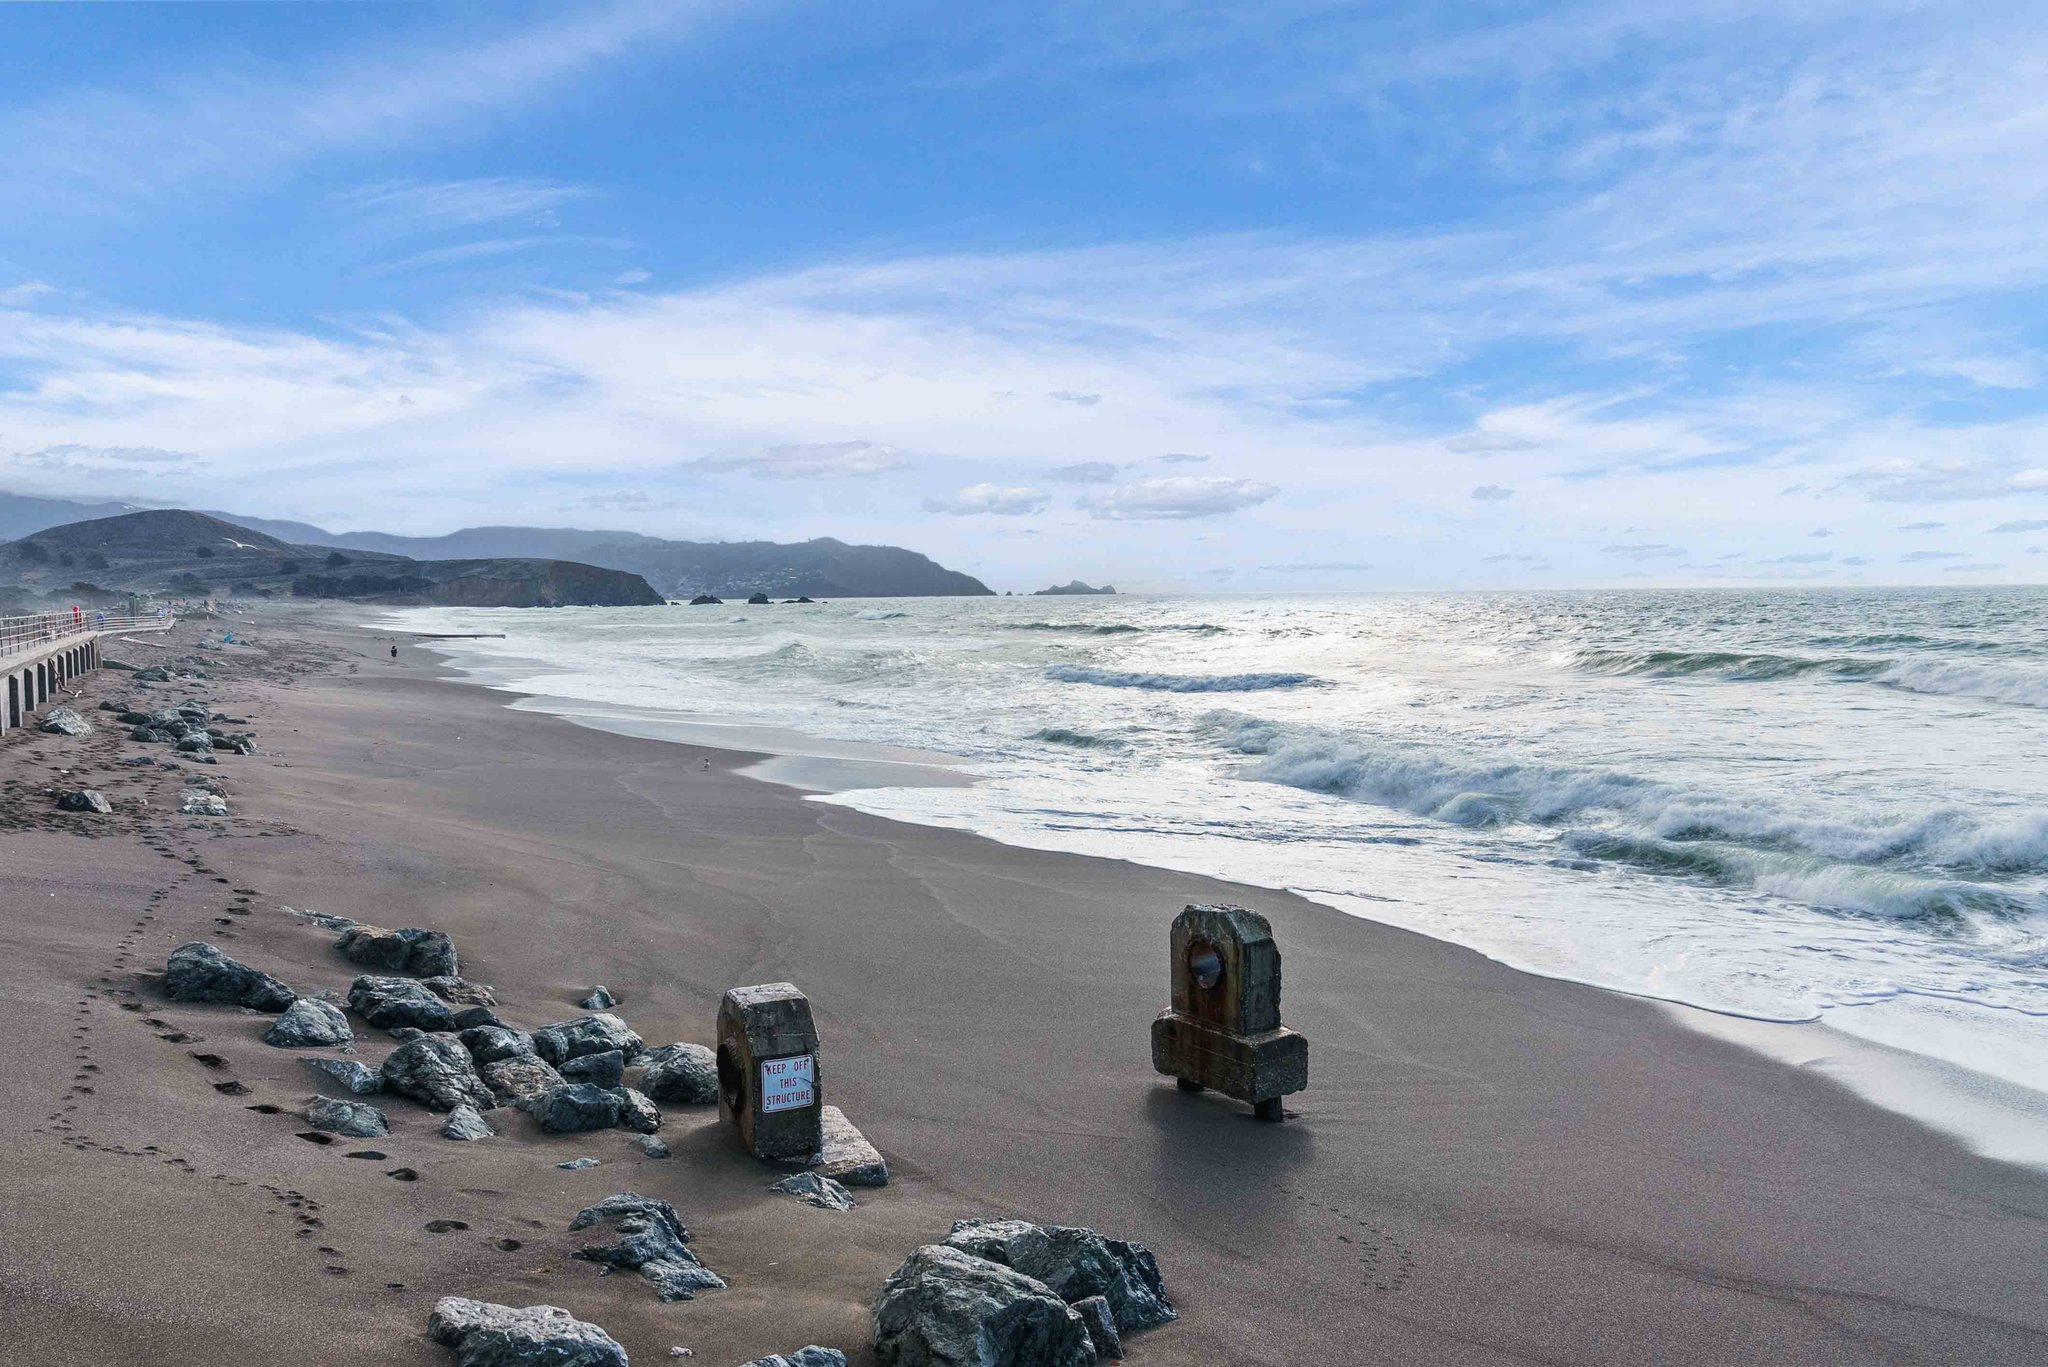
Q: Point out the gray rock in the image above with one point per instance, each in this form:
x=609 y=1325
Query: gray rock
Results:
x=136 y=761
x=319 y=918
x=847 y=1156
x=406 y=1034
x=423 y=953
x=600 y=999
x=489 y=1043
x=85 y=800
x=813 y=1190
x=389 y=1002
x=195 y=742
x=594 y=1034
x=471 y=1017
x=63 y=721
x=359 y=1078
x=461 y=991
x=599 y=1070
x=651 y=1241
x=356 y=1119
x=576 y=1108
x=1076 y=1263
x=1101 y=1321
x=813 y=1356
x=149 y=735
x=198 y=802
x=520 y=1080
x=681 y=1074
x=435 y=1071
x=946 y=1308
x=487 y=1335
x=652 y=1147
x=465 y=1122
x=309 y=1023
x=577 y=1164
x=199 y=972
x=636 y=1112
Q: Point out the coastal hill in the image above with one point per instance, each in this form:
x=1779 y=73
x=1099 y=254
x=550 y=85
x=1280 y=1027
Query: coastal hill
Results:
x=821 y=568
x=1074 y=588
x=179 y=552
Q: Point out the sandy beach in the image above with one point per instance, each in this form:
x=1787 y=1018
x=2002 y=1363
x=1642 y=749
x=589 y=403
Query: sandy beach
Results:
x=1487 y=1167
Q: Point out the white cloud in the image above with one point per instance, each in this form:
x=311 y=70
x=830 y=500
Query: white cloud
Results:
x=1000 y=500
x=1492 y=493
x=817 y=460
x=2025 y=524
x=1177 y=497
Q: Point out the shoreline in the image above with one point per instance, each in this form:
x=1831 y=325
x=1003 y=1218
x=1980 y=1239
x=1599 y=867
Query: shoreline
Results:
x=1993 y=1116
x=1488 y=1167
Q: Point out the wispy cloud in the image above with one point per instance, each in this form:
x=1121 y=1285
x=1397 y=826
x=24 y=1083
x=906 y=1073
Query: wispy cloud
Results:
x=1177 y=498
x=815 y=460
x=426 y=206
x=996 y=499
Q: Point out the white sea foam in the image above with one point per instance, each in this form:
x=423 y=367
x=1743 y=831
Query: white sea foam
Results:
x=1178 y=683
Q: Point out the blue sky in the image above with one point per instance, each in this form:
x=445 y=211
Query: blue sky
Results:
x=1297 y=295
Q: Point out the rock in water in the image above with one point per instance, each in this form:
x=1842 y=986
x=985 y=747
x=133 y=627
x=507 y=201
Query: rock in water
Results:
x=307 y=1024
x=847 y=1156
x=600 y=999
x=575 y=1108
x=389 y=1002
x=423 y=953
x=946 y=1308
x=356 y=1119
x=435 y=1070
x=685 y=1074
x=465 y=1122
x=813 y=1356
x=1101 y=1321
x=813 y=1190
x=565 y=1040
x=62 y=721
x=1076 y=1263
x=520 y=1080
x=599 y=1070
x=199 y=972
x=489 y=1043
x=357 y=1077
x=487 y=1335
x=85 y=800
x=652 y=1242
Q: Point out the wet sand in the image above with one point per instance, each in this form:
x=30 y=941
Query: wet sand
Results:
x=1488 y=1167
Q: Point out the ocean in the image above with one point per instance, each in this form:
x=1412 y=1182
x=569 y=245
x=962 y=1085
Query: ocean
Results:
x=1777 y=806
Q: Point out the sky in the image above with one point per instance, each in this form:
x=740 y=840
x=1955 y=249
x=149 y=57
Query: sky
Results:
x=1184 y=297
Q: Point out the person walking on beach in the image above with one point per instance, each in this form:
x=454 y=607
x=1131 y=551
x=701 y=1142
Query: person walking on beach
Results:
x=394 y=652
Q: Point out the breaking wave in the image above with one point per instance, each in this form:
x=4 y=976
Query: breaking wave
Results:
x=1416 y=780
x=1180 y=683
x=878 y=615
x=1115 y=628
x=1079 y=740
x=2018 y=685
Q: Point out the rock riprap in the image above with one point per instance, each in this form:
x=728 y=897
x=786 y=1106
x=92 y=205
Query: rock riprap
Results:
x=487 y=1335
x=359 y=1078
x=681 y=1074
x=489 y=1043
x=309 y=1023
x=947 y=1308
x=391 y=1002
x=593 y=1034
x=520 y=1080
x=1076 y=1263
x=813 y=1190
x=63 y=721
x=578 y=1107
x=422 y=953
x=465 y=1122
x=356 y=1119
x=607 y=1069
x=435 y=1070
x=650 y=1240
x=200 y=972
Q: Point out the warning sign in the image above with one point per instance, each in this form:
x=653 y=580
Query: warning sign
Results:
x=788 y=1084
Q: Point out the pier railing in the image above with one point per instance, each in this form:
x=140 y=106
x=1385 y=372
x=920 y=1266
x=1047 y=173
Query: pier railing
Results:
x=32 y=630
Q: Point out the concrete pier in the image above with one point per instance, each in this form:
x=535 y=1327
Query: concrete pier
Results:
x=41 y=653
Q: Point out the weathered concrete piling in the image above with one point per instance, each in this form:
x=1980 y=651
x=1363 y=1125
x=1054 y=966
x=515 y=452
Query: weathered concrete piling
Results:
x=769 y=1086
x=1223 y=1030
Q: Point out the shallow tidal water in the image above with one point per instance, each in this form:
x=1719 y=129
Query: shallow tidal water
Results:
x=1781 y=806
